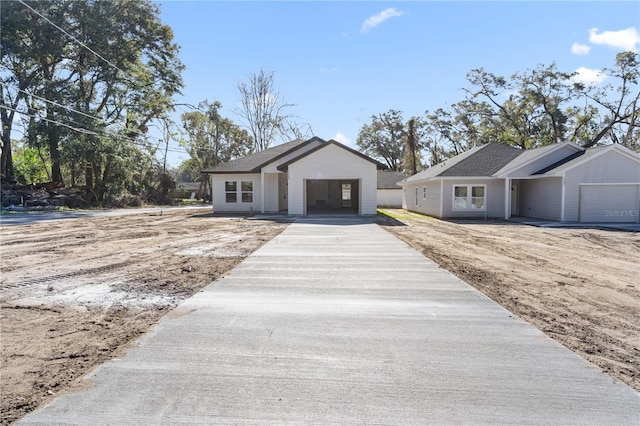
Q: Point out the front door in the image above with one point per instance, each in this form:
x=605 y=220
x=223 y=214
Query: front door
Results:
x=514 y=199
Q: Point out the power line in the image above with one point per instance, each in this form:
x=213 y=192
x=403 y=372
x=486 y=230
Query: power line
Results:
x=90 y=132
x=76 y=122
x=59 y=123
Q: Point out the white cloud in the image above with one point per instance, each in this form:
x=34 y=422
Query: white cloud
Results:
x=623 y=39
x=589 y=76
x=580 y=49
x=328 y=69
x=373 y=21
x=342 y=139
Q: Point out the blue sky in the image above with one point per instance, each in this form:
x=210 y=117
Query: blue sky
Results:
x=341 y=62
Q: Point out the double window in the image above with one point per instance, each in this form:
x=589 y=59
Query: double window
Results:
x=231 y=191
x=469 y=197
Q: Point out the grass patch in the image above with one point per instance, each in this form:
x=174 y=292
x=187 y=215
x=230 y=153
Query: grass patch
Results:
x=400 y=214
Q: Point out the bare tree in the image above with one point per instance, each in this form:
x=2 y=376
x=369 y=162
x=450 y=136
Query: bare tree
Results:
x=265 y=111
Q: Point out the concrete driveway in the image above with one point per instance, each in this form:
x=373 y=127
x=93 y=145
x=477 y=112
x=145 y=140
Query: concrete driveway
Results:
x=335 y=321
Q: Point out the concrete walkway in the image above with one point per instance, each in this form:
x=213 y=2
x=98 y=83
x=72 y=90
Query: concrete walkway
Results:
x=335 y=321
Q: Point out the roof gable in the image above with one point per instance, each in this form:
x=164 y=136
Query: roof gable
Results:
x=528 y=158
x=252 y=163
x=561 y=167
x=284 y=166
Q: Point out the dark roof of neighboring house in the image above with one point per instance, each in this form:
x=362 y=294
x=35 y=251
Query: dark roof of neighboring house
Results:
x=254 y=162
x=485 y=162
x=480 y=161
x=388 y=179
x=284 y=166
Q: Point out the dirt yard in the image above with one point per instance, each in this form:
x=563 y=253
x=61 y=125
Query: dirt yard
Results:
x=579 y=286
x=74 y=293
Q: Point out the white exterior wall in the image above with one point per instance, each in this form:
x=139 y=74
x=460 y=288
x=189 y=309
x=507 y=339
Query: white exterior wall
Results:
x=542 y=162
x=609 y=167
x=389 y=197
x=429 y=204
x=494 y=198
x=541 y=198
x=332 y=162
x=271 y=192
x=219 y=195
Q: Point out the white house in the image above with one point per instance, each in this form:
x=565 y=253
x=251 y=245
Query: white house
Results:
x=562 y=182
x=297 y=177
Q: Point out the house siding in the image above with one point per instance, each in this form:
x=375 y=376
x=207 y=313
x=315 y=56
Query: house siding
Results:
x=271 y=202
x=494 y=198
x=541 y=198
x=429 y=205
x=542 y=162
x=610 y=167
x=219 y=194
x=332 y=162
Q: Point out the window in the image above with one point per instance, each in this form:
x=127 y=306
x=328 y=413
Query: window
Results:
x=246 y=187
x=416 y=195
x=231 y=191
x=424 y=192
x=346 y=191
x=469 y=197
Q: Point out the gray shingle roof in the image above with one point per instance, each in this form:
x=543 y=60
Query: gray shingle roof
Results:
x=387 y=179
x=485 y=162
x=479 y=161
x=254 y=162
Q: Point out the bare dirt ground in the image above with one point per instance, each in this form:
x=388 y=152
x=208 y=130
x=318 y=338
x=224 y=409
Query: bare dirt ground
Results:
x=74 y=293
x=579 y=286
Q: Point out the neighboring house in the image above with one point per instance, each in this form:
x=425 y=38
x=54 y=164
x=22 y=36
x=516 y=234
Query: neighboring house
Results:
x=389 y=192
x=297 y=177
x=560 y=182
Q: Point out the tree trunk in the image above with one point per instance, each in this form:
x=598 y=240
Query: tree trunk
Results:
x=53 y=139
x=6 y=166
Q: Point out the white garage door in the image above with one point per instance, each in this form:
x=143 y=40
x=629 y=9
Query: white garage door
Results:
x=609 y=203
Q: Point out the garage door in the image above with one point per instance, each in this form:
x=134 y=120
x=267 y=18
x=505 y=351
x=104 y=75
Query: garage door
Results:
x=609 y=203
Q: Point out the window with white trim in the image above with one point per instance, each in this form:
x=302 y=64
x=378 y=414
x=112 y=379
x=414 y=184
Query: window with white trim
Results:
x=469 y=197
x=246 y=187
x=231 y=191
x=424 y=192
x=416 y=195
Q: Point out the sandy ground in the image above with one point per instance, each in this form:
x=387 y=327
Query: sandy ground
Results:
x=74 y=293
x=579 y=286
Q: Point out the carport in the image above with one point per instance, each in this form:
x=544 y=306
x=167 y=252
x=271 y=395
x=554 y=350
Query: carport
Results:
x=332 y=196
